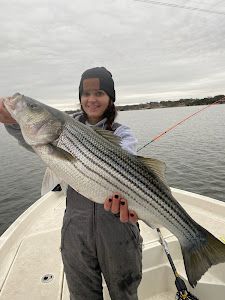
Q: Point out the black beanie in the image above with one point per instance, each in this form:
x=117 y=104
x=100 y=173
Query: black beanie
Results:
x=97 y=78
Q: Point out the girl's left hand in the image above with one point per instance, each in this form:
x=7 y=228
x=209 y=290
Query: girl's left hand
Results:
x=118 y=205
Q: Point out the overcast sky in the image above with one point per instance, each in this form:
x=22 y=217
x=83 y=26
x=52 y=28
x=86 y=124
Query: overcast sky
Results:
x=154 y=52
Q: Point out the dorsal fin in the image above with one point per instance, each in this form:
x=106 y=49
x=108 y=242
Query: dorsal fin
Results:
x=116 y=140
x=157 y=166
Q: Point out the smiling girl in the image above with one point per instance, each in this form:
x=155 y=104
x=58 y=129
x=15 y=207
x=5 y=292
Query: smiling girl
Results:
x=93 y=240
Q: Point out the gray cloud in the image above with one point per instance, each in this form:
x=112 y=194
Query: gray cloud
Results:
x=154 y=52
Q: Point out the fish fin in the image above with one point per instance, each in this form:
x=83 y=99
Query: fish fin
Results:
x=63 y=154
x=50 y=180
x=200 y=256
x=157 y=166
x=116 y=140
x=58 y=152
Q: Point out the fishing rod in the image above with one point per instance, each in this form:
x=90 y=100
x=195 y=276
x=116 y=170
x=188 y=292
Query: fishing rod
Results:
x=180 y=122
x=182 y=291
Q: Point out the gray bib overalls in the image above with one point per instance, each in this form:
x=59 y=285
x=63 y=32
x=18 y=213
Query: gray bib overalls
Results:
x=95 y=242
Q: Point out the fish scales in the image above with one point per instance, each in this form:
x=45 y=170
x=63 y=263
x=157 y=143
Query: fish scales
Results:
x=117 y=162
x=102 y=158
x=108 y=158
x=86 y=159
x=111 y=162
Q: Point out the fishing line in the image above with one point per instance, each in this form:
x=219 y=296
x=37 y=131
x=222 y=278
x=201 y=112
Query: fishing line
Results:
x=180 y=122
x=183 y=7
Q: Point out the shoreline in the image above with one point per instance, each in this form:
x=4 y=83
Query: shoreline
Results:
x=166 y=104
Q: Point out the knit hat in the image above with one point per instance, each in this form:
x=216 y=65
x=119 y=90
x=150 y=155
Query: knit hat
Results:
x=98 y=78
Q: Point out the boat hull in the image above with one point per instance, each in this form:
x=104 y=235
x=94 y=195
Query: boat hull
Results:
x=31 y=266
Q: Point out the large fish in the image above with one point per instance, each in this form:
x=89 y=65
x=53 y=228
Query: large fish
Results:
x=92 y=162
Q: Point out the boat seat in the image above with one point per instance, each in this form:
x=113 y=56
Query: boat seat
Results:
x=37 y=266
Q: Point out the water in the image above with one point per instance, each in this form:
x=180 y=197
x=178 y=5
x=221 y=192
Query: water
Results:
x=21 y=172
x=193 y=152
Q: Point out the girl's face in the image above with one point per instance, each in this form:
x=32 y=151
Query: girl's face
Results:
x=94 y=103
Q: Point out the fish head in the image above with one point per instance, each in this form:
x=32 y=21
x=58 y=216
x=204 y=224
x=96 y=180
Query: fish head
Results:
x=38 y=124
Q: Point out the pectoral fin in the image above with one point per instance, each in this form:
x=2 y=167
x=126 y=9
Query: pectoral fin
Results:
x=53 y=150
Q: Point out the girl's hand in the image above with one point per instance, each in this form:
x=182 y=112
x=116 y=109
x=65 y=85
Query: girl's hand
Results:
x=5 y=116
x=118 y=205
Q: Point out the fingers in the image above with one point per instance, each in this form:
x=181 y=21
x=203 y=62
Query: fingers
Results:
x=124 y=213
x=133 y=218
x=115 y=208
x=108 y=204
x=116 y=204
x=113 y=204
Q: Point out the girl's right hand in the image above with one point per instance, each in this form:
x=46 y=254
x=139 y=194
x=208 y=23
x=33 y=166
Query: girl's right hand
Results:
x=5 y=116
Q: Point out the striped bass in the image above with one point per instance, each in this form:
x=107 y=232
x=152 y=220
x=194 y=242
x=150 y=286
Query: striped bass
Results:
x=92 y=162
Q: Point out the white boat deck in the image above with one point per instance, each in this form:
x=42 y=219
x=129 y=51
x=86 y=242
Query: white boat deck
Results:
x=31 y=266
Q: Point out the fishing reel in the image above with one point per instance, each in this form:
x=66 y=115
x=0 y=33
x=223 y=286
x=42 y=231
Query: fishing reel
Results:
x=185 y=295
x=182 y=293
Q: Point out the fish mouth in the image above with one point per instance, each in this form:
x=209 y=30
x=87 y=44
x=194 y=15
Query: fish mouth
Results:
x=10 y=103
x=7 y=102
x=3 y=103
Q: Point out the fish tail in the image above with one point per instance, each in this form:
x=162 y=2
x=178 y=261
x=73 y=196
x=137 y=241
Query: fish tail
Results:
x=201 y=255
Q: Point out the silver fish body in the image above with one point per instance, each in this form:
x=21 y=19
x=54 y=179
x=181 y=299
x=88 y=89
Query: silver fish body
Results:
x=108 y=168
x=91 y=161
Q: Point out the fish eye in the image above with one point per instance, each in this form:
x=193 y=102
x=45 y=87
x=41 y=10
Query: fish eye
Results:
x=32 y=105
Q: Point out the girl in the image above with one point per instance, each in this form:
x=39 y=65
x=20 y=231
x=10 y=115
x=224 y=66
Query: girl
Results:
x=94 y=241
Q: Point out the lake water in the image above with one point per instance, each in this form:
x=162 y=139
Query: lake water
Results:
x=193 y=152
